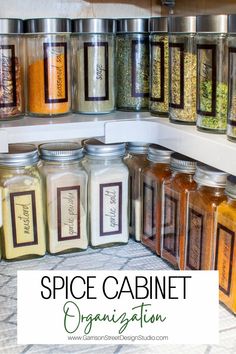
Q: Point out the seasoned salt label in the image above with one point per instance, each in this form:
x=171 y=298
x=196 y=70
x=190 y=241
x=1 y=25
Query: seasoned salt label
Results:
x=8 y=63
x=96 y=66
x=158 y=58
x=55 y=72
x=140 y=68
x=177 y=75
x=149 y=210
x=24 y=222
x=68 y=213
x=194 y=239
x=110 y=209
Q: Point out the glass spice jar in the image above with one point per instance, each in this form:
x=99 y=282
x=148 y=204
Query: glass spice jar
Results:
x=152 y=179
x=201 y=217
x=231 y=126
x=136 y=160
x=175 y=203
x=23 y=232
x=182 y=69
x=107 y=193
x=65 y=183
x=93 y=44
x=132 y=64
x=48 y=66
x=212 y=73
x=225 y=252
x=11 y=69
x=159 y=70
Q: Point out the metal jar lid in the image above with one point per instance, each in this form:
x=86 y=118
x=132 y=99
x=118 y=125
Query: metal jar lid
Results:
x=61 y=152
x=230 y=189
x=157 y=153
x=11 y=26
x=93 y=25
x=232 y=23
x=158 y=24
x=20 y=155
x=47 y=25
x=95 y=147
x=212 y=23
x=137 y=148
x=182 y=24
x=182 y=163
x=138 y=25
x=210 y=176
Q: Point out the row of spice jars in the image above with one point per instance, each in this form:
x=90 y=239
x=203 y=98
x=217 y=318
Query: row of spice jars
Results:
x=53 y=197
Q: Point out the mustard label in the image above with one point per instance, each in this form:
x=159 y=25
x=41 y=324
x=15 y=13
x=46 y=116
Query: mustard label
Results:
x=24 y=222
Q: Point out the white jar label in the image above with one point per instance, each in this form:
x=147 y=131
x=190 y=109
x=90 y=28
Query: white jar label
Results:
x=110 y=209
x=140 y=68
x=8 y=63
x=177 y=75
x=158 y=74
x=170 y=223
x=194 y=239
x=149 y=210
x=24 y=219
x=68 y=213
x=96 y=65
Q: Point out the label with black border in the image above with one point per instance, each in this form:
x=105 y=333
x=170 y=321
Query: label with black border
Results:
x=170 y=224
x=140 y=67
x=177 y=75
x=8 y=63
x=149 y=210
x=131 y=206
x=158 y=75
x=232 y=85
x=195 y=239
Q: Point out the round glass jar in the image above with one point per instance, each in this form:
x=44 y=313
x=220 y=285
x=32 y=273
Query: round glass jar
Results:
x=93 y=44
x=152 y=179
x=132 y=64
x=159 y=70
x=182 y=69
x=65 y=183
x=107 y=193
x=23 y=232
x=48 y=66
x=231 y=126
x=175 y=205
x=212 y=73
x=136 y=160
x=201 y=217
x=11 y=69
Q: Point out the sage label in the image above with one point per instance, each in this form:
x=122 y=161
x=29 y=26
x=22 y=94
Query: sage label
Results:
x=158 y=73
x=110 y=209
x=55 y=72
x=195 y=239
x=24 y=222
x=149 y=210
x=170 y=223
x=140 y=68
x=8 y=76
x=68 y=213
x=206 y=82
x=225 y=239
x=177 y=75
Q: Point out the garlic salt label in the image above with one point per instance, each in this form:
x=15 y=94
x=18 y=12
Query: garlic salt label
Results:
x=170 y=225
x=110 y=209
x=68 y=213
x=96 y=71
x=23 y=214
x=149 y=211
x=8 y=62
x=55 y=72
x=195 y=240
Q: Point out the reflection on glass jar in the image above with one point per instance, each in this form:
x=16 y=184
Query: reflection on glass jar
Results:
x=231 y=127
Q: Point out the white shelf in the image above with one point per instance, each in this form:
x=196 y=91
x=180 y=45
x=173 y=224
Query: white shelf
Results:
x=212 y=149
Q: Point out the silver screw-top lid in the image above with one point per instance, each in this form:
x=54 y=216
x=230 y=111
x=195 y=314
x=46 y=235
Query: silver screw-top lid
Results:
x=210 y=176
x=139 y=25
x=182 y=163
x=232 y=23
x=230 y=189
x=20 y=155
x=182 y=24
x=94 y=147
x=47 y=25
x=157 y=153
x=212 y=23
x=94 y=25
x=61 y=151
x=11 y=26
x=137 y=148
x=158 y=24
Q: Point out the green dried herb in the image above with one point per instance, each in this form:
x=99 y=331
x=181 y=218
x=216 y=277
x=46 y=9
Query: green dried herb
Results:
x=125 y=80
x=231 y=129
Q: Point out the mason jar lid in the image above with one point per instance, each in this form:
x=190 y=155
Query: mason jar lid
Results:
x=230 y=189
x=94 y=147
x=212 y=23
x=182 y=163
x=47 y=25
x=20 y=155
x=93 y=25
x=157 y=153
x=232 y=23
x=61 y=151
x=125 y=25
x=182 y=24
x=11 y=26
x=137 y=148
x=158 y=24
x=210 y=176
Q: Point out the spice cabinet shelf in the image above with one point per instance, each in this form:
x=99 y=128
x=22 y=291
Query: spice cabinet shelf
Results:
x=212 y=149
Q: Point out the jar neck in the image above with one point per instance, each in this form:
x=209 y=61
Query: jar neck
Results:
x=104 y=158
x=61 y=163
x=231 y=201
x=216 y=191
x=185 y=175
